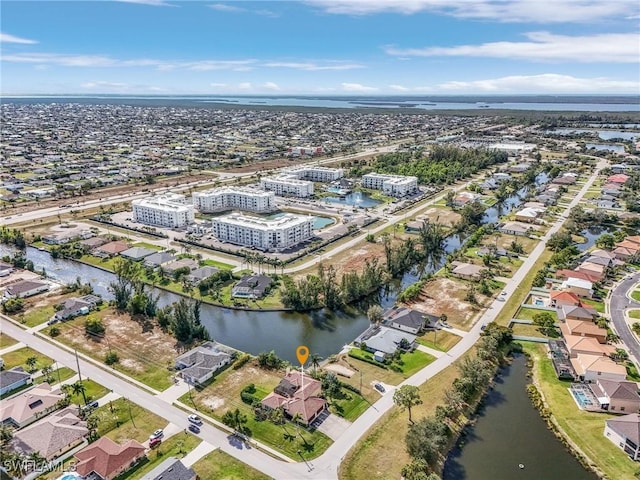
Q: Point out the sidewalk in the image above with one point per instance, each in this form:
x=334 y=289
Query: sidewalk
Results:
x=174 y=392
x=6 y=350
x=197 y=453
x=431 y=351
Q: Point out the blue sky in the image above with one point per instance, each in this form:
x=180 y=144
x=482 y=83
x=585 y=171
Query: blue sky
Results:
x=322 y=47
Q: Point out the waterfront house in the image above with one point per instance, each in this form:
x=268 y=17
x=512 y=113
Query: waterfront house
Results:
x=13 y=379
x=5 y=269
x=624 y=432
x=110 y=249
x=464 y=198
x=573 y=312
x=201 y=273
x=516 y=228
x=189 y=263
x=466 y=271
x=53 y=435
x=251 y=286
x=200 y=364
x=159 y=259
x=582 y=288
x=28 y=406
x=379 y=338
x=529 y=214
x=297 y=394
x=25 y=288
x=105 y=459
x=171 y=469
x=578 y=344
x=617 y=397
x=408 y=320
x=593 y=367
x=583 y=328
x=137 y=253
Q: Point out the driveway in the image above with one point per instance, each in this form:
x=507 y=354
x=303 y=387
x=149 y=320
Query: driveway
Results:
x=618 y=303
x=331 y=425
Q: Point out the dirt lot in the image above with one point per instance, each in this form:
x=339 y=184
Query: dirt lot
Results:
x=351 y=260
x=504 y=240
x=441 y=216
x=443 y=295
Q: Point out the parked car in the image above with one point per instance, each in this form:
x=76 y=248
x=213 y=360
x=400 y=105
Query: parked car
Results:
x=379 y=387
x=154 y=442
x=195 y=419
x=157 y=434
x=194 y=428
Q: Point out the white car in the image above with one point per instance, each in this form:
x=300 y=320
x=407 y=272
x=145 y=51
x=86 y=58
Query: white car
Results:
x=157 y=434
x=195 y=419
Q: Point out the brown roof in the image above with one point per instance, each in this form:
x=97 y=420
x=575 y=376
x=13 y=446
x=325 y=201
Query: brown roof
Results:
x=631 y=245
x=565 y=273
x=620 y=390
x=587 y=345
x=24 y=406
x=628 y=426
x=106 y=457
x=569 y=297
x=114 y=247
x=596 y=363
x=582 y=327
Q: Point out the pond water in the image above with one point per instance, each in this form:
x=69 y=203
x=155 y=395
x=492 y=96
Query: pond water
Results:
x=510 y=432
x=602 y=134
x=318 y=222
x=602 y=147
x=592 y=234
x=355 y=199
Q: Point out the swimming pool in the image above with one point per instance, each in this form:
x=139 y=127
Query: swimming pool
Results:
x=539 y=302
x=582 y=398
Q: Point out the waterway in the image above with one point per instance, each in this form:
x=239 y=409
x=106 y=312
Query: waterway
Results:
x=602 y=147
x=602 y=134
x=510 y=432
x=592 y=234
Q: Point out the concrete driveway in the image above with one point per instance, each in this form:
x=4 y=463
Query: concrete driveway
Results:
x=331 y=425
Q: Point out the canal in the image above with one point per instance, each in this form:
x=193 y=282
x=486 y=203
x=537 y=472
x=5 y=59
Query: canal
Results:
x=510 y=432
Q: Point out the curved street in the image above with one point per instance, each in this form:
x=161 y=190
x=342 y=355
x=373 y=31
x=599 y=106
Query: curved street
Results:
x=618 y=304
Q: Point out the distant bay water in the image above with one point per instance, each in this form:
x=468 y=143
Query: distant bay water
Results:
x=581 y=103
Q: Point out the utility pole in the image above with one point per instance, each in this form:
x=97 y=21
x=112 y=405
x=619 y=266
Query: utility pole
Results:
x=78 y=365
x=58 y=370
x=130 y=415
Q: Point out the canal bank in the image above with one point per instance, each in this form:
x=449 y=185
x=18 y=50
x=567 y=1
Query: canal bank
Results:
x=508 y=433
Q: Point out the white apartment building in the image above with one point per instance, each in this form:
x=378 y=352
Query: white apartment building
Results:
x=265 y=234
x=169 y=210
x=287 y=185
x=394 y=185
x=315 y=173
x=229 y=198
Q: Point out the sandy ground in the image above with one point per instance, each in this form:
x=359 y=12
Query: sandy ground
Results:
x=441 y=216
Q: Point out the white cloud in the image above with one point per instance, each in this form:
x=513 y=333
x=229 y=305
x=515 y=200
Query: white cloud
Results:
x=244 y=86
x=104 y=85
x=312 y=67
x=218 y=85
x=544 y=46
x=223 y=7
x=539 y=11
x=399 y=88
x=271 y=86
x=7 y=38
x=543 y=83
x=357 y=87
x=151 y=3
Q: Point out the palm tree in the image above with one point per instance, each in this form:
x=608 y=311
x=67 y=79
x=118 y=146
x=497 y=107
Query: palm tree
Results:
x=79 y=388
x=315 y=361
x=31 y=363
x=296 y=420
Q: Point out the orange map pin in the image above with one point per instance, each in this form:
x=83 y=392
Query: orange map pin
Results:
x=302 y=353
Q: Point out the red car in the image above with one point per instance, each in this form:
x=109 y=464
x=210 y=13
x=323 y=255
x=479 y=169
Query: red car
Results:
x=155 y=442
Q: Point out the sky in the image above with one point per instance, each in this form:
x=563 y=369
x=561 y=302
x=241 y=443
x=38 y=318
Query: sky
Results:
x=320 y=47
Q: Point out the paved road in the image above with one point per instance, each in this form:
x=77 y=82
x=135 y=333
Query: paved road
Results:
x=618 y=303
x=326 y=466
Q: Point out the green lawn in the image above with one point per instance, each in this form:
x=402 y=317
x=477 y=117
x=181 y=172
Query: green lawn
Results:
x=36 y=316
x=636 y=295
x=439 y=340
x=525 y=313
x=58 y=375
x=150 y=246
x=93 y=391
x=19 y=358
x=584 y=428
x=634 y=313
x=632 y=372
x=115 y=421
x=6 y=341
x=107 y=263
x=598 y=306
x=214 y=263
x=176 y=446
x=222 y=466
x=529 y=330
x=350 y=407
x=409 y=363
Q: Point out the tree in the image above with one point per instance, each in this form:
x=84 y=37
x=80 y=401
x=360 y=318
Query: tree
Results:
x=331 y=385
x=559 y=241
x=620 y=355
x=375 y=314
x=315 y=361
x=606 y=241
x=31 y=363
x=94 y=326
x=636 y=328
x=516 y=247
x=407 y=396
x=418 y=469
x=546 y=323
x=426 y=438
x=235 y=419
x=92 y=426
x=79 y=388
x=46 y=373
x=111 y=357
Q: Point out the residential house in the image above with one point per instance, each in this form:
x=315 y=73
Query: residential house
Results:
x=13 y=379
x=606 y=204
x=560 y=360
x=464 y=198
x=619 y=178
x=516 y=228
x=93 y=243
x=75 y=306
x=171 y=469
x=594 y=367
x=624 y=432
x=519 y=168
x=564 y=179
x=577 y=344
x=408 y=320
x=25 y=408
x=110 y=249
x=529 y=214
x=105 y=459
x=137 y=253
x=572 y=312
x=298 y=395
x=582 y=288
x=617 y=396
x=159 y=259
x=498 y=252
x=624 y=254
x=201 y=273
x=583 y=328
x=606 y=254
x=466 y=271
x=560 y=298
x=53 y=435
x=534 y=205
x=611 y=189
x=199 y=364
x=5 y=269
x=189 y=263
x=413 y=227
x=384 y=340
x=595 y=269
x=251 y=286
x=25 y=288
x=566 y=274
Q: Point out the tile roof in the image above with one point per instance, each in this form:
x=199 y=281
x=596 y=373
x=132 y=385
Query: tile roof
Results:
x=627 y=426
x=106 y=457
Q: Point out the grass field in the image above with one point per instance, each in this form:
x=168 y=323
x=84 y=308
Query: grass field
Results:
x=409 y=363
x=634 y=313
x=439 y=340
x=528 y=313
x=585 y=429
x=222 y=466
x=122 y=420
x=150 y=246
x=6 y=341
x=93 y=391
x=215 y=263
x=597 y=306
x=636 y=295
x=19 y=358
x=350 y=407
x=176 y=446
x=58 y=375
x=528 y=330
